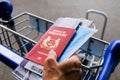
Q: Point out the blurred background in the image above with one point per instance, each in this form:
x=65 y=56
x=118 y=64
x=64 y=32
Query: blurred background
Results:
x=53 y=9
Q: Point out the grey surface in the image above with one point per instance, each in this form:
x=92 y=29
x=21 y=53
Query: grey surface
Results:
x=53 y=9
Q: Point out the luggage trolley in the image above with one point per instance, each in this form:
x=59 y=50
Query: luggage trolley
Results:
x=17 y=39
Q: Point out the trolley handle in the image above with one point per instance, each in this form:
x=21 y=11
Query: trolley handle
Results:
x=6 y=9
x=99 y=13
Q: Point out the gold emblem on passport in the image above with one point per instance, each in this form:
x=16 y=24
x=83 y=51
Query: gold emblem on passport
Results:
x=50 y=43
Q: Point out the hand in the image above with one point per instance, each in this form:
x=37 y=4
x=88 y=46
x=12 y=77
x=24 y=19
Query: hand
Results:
x=66 y=70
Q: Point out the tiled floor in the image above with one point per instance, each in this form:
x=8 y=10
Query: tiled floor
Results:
x=5 y=72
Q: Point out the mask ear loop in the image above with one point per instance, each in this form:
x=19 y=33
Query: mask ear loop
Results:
x=94 y=26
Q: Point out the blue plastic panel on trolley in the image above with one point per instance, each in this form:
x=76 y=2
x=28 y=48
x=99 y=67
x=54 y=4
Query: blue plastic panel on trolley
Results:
x=39 y=24
x=94 y=47
x=28 y=46
x=9 y=57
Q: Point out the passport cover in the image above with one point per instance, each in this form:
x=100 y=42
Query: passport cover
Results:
x=55 y=38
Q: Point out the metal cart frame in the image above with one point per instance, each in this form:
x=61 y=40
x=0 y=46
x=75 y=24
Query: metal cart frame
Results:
x=92 y=57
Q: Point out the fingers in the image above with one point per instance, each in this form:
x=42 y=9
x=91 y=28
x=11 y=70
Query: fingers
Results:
x=72 y=63
x=67 y=70
x=51 y=59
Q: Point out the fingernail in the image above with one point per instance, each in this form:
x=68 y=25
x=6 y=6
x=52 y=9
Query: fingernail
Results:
x=52 y=52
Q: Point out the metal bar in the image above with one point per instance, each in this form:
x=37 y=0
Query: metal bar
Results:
x=4 y=36
x=99 y=13
x=8 y=39
x=27 y=13
x=0 y=40
x=18 y=34
x=21 y=22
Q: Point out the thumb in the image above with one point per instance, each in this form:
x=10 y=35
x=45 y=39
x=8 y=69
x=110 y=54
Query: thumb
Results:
x=51 y=59
x=52 y=54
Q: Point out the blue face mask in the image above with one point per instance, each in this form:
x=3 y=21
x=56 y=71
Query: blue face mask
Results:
x=81 y=36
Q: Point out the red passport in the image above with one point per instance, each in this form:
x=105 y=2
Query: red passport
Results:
x=55 y=38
